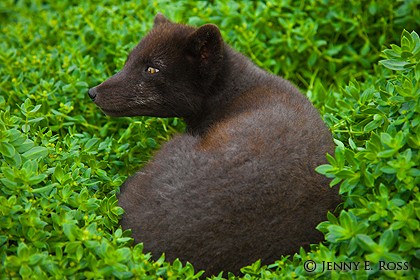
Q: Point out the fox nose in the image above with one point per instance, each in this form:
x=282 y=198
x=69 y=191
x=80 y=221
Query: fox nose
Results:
x=92 y=93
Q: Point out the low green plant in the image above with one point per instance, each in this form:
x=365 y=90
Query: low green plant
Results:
x=376 y=163
x=63 y=161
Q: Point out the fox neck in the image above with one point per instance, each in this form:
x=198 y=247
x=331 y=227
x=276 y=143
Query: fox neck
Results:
x=236 y=76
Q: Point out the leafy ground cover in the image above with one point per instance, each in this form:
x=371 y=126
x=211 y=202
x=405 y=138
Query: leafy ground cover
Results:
x=62 y=160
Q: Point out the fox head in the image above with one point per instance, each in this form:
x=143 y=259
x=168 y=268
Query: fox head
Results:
x=166 y=75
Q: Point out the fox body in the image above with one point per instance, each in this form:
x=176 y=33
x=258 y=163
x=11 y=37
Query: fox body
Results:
x=240 y=184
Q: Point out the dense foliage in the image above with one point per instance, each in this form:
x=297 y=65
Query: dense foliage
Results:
x=62 y=160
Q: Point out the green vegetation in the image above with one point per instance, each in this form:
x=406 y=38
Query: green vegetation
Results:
x=62 y=160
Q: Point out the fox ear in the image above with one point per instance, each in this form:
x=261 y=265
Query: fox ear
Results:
x=160 y=19
x=206 y=46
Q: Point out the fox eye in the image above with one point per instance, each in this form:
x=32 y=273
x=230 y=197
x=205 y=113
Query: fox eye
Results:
x=151 y=70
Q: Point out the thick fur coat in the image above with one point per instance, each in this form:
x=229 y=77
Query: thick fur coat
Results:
x=240 y=184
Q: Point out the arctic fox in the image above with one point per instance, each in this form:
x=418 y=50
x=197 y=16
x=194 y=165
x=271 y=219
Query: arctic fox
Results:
x=240 y=184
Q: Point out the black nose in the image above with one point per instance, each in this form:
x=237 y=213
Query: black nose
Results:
x=92 y=93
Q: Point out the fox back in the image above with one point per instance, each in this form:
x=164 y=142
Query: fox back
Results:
x=239 y=185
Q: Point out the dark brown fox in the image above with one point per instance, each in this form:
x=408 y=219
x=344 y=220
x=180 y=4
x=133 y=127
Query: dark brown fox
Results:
x=240 y=184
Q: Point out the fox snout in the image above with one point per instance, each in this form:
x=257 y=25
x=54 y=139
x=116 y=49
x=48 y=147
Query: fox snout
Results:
x=110 y=94
x=113 y=83
x=92 y=93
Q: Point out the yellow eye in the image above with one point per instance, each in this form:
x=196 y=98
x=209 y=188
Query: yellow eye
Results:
x=151 y=70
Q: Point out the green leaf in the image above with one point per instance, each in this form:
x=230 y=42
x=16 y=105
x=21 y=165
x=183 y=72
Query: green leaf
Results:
x=366 y=242
x=35 y=259
x=386 y=139
x=89 y=145
x=372 y=125
x=71 y=231
x=37 y=179
x=3 y=239
x=7 y=149
x=335 y=181
x=312 y=59
x=46 y=190
x=393 y=64
x=25 y=271
x=388 y=170
x=324 y=169
x=388 y=239
x=352 y=144
x=36 y=153
x=387 y=153
x=35 y=109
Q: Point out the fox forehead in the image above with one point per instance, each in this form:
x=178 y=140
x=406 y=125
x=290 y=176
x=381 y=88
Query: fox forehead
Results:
x=165 y=40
